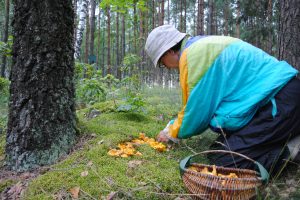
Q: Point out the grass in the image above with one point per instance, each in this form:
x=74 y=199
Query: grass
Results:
x=153 y=175
x=156 y=175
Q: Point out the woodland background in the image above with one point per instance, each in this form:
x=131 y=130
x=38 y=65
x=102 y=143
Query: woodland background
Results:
x=75 y=82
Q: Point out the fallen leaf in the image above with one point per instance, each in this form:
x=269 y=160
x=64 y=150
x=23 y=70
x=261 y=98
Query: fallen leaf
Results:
x=75 y=192
x=84 y=173
x=111 y=195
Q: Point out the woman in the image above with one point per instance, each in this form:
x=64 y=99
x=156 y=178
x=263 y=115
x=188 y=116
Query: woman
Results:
x=236 y=89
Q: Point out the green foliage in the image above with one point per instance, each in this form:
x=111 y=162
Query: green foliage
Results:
x=4 y=84
x=134 y=102
x=4 y=92
x=90 y=91
x=5 y=48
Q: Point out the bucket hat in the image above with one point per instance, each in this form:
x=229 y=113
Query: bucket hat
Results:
x=160 y=40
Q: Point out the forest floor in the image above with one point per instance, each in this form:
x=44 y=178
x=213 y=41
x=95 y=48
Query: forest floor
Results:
x=89 y=172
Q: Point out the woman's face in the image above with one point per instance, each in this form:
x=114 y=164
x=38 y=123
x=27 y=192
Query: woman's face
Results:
x=170 y=59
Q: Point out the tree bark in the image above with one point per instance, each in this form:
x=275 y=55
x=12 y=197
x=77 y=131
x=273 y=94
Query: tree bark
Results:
x=226 y=13
x=200 y=21
x=98 y=39
x=181 y=15
x=5 y=37
x=162 y=9
x=123 y=37
x=41 y=122
x=270 y=27
x=92 y=26
x=238 y=20
x=289 y=29
x=87 y=38
x=211 y=26
x=108 y=41
x=117 y=48
x=80 y=27
x=184 y=19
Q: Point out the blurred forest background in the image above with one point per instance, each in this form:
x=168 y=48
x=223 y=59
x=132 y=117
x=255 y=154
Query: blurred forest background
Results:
x=110 y=34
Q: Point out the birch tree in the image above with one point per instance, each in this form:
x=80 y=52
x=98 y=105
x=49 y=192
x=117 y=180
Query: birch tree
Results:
x=81 y=26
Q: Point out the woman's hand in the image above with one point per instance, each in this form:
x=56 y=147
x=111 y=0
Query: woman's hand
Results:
x=164 y=136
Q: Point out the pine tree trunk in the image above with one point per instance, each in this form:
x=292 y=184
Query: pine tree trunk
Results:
x=98 y=40
x=200 y=21
x=211 y=18
x=289 y=29
x=108 y=41
x=123 y=37
x=153 y=14
x=41 y=123
x=238 y=20
x=226 y=12
x=181 y=15
x=162 y=12
x=135 y=27
x=270 y=17
x=92 y=27
x=5 y=37
x=80 y=27
x=117 y=48
x=184 y=19
x=87 y=38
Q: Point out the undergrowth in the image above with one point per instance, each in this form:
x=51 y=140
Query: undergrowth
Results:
x=153 y=175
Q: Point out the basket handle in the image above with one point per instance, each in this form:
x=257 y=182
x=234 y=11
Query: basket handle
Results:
x=187 y=161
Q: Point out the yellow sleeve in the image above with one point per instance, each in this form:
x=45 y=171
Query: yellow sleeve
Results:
x=183 y=70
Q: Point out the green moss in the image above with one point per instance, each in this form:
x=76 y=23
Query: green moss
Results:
x=6 y=183
x=157 y=174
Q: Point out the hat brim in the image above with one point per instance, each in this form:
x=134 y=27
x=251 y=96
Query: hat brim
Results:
x=177 y=39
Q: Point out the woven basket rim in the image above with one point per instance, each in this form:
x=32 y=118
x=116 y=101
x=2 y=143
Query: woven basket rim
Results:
x=255 y=173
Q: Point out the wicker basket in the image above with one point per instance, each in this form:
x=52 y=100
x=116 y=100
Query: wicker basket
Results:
x=206 y=186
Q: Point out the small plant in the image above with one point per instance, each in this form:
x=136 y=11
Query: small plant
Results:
x=133 y=103
x=4 y=84
x=90 y=91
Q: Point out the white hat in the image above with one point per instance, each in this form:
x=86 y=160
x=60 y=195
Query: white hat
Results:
x=160 y=40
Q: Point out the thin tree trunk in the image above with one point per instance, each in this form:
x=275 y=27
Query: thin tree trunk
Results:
x=238 y=20
x=135 y=27
x=184 y=19
x=211 y=18
x=123 y=36
x=162 y=12
x=103 y=53
x=117 y=48
x=108 y=41
x=270 y=17
x=42 y=120
x=153 y=14
x=226 y=12
x=92 y=26
x=98 y=40
x=200 y=21
x=87 y=38
x=181 y=15
x=5 y=37
x=80 y=28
